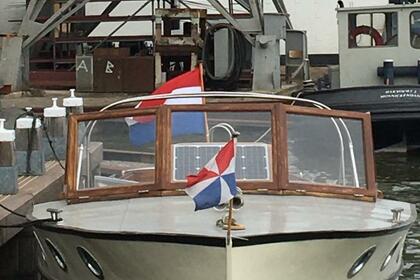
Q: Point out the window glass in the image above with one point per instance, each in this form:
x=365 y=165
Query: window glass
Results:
x=198 y=136
x=415 y=29
x=121 y=152
x=320 y=151
x=373 y=30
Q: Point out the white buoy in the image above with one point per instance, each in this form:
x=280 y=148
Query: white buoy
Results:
x=55 y=122
x=73 y=104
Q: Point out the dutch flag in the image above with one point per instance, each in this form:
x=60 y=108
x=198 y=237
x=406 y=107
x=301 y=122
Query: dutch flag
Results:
x=143 y=129
x=215 y=184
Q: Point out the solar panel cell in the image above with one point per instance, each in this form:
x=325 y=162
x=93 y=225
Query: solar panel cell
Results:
x=252 y=160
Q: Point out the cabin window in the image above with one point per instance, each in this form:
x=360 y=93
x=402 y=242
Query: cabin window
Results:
x=198 y=136
x=373 y=30
x=280 y=148
x=415 y=29
x=121 y=152
x=325 y=151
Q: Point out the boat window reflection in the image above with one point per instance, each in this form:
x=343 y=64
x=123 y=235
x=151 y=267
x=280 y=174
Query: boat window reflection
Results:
x=324 y=150
x=121 y=152
x=415 y=29
x=373 y=30
x=197 y=136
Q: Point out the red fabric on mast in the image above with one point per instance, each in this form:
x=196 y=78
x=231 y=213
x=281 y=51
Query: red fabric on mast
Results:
x=190 y=79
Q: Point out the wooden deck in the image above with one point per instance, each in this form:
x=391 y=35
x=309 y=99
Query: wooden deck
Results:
x=32 y=190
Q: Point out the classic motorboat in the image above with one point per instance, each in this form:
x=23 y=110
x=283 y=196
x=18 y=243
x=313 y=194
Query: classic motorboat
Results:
x=308 y=199
x=379 y=70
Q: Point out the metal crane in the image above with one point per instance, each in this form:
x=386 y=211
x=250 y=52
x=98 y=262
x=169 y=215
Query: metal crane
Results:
x=14 y=66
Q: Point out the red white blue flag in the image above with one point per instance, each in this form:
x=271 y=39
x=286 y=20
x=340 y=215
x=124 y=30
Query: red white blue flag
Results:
x=215 y=184
x=143 y=129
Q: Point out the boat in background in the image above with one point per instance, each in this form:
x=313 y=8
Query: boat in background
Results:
x=379 y=70
x=308 y=199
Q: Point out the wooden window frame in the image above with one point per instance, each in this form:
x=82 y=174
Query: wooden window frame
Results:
x=263 y=185
x=163 y=184
x=72 y=194
x=368 y=193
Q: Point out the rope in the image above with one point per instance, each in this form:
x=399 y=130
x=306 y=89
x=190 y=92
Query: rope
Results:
x=12 y=212
x=30 y=223
x=51 y=144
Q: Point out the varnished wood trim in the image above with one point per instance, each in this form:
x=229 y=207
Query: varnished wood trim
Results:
x=72 y=193
x=323 y=112
x=283 y=148
x=227 y=107
x=114 y=114
x=71 y=159
x=302 y=187
x=369 y=155
x=163 y=175
x=165 y=152
x=223 y=107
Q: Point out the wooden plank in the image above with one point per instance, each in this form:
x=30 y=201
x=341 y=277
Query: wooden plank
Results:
x=72 y=155
x=32 y=190
x=113 y=114
x=324 y=112
x=369 y=156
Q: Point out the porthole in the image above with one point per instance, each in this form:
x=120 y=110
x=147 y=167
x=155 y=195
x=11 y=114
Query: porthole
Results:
x=360 y=263
x=57 y=255
x=43 y=253
x=390 y=255
x=90 y=262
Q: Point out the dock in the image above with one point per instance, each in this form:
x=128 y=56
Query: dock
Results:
x=32 y=190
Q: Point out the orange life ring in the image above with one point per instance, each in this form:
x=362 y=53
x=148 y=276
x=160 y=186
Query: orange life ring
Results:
x=367 y=30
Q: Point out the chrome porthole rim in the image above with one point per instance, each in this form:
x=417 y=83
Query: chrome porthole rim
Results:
x=391 y=253
x=57 y=255
x=361 y=262
x=82 y=251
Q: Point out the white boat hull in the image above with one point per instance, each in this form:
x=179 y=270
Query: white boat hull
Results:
x=122 y=256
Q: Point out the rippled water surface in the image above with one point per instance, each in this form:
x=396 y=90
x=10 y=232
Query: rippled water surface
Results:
x=398 y=177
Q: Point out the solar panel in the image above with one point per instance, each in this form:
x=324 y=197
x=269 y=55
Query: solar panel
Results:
x=252 y=160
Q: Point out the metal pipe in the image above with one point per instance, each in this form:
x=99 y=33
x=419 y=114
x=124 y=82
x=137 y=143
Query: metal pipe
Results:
x=352 y=157
x=227 y=127
x=79 y=167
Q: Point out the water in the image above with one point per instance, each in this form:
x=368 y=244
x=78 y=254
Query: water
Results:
x=398 y=176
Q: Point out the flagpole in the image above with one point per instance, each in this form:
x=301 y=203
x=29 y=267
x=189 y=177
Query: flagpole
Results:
x=200 y=66
x=235 y=135
x=229 y=229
